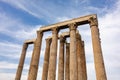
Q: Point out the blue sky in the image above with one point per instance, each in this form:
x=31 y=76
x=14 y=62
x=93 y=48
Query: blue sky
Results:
x=20 y=19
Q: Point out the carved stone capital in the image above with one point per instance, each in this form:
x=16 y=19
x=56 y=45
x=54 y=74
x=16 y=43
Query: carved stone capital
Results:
x=93 y=21
x=62 y=39
x=78 y=37
x=48 y=40
x=55 y=30
x=25 y=46
x=39 y=33
x=67 y=44
x=72 y=26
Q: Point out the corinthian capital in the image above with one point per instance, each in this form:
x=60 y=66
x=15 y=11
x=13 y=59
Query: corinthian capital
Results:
x=48 y=40
x=55 y=30
x=62 y=39
x=93 y=21
x=39 y=33
x=72 y=26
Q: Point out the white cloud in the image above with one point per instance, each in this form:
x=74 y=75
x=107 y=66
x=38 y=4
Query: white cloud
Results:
x=21 y=5
x=15 y=28
x=109 y=33
x=41 y=9
x=109 y=30
x=27 y=33
x=59 y=19
x=8 y=49
x=10 y=22
x=91 y=71
x=109 y=25
x=37 y=9
x=7 y=65
x=9 y=76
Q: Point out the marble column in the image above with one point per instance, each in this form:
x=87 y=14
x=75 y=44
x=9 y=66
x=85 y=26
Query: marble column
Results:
x=67 y=72
x=61 y=59
x=21 y=62
x=53 y=55
x=73 y=57
x=35 y=58
x=79 y=60
x=82 y=74
x=98 y=57
x=46 y=59
x=83 y=61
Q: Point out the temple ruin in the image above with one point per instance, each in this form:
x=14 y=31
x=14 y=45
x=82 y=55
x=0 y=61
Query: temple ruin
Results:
x=72 y=61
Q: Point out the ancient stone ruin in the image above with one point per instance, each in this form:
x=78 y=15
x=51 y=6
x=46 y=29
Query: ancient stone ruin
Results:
x=72 y=62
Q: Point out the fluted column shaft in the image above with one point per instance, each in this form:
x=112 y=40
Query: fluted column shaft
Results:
x=67 y=72
x=35 y=58
x=46 y=59
x=73 y=57
x=53 y=55
x=61 y=59
x=98 y=57
x=79 y=60
x=83 y=61
x=21 y=62
x=82 y=74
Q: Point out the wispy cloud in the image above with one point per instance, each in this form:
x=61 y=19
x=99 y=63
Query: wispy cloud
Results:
x=15 y=28
x=55 y=12
x=7 y=65
x=40 y=9
x=11 y=76
x=109 y=26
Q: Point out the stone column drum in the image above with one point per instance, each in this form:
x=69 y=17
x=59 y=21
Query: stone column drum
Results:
x=83 y=61
x=82 y=74
x=67 y=72
x=21 y=63
x=61 y=59
x=53 y=55
x=46 y=59
x=35 y=58
x=73 y=57
x=79 y=60
x=98 y=57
